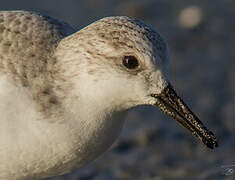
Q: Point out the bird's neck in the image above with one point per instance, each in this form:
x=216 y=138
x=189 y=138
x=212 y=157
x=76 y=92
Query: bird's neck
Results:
x=95 y=126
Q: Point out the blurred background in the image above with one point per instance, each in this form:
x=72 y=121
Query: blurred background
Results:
x=201 y=37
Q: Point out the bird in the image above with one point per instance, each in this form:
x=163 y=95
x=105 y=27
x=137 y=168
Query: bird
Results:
x=64 y=93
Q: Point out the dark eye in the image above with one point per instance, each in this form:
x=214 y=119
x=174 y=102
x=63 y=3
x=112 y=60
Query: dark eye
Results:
x=130 y=62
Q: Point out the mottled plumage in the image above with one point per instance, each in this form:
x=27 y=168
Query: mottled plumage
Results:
x=64 y=94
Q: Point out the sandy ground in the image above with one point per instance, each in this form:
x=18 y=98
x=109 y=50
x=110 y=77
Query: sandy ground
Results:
x=201 y=36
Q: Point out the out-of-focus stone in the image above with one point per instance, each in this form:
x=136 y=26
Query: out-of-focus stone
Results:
x=190 y=17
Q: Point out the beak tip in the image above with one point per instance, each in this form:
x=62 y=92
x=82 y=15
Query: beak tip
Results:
x=212 y=145
x=212 y=141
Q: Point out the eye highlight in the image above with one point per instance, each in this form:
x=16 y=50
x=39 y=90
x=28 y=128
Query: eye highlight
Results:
x=130 y=62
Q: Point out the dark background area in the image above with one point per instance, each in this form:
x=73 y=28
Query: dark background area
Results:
x=201 y=37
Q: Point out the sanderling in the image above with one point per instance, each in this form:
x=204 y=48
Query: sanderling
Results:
x=64 y=93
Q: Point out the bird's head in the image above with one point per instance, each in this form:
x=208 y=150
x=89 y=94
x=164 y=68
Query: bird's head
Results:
x=122 y=63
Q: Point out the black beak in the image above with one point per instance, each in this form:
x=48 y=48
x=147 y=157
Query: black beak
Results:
x=171 y=104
